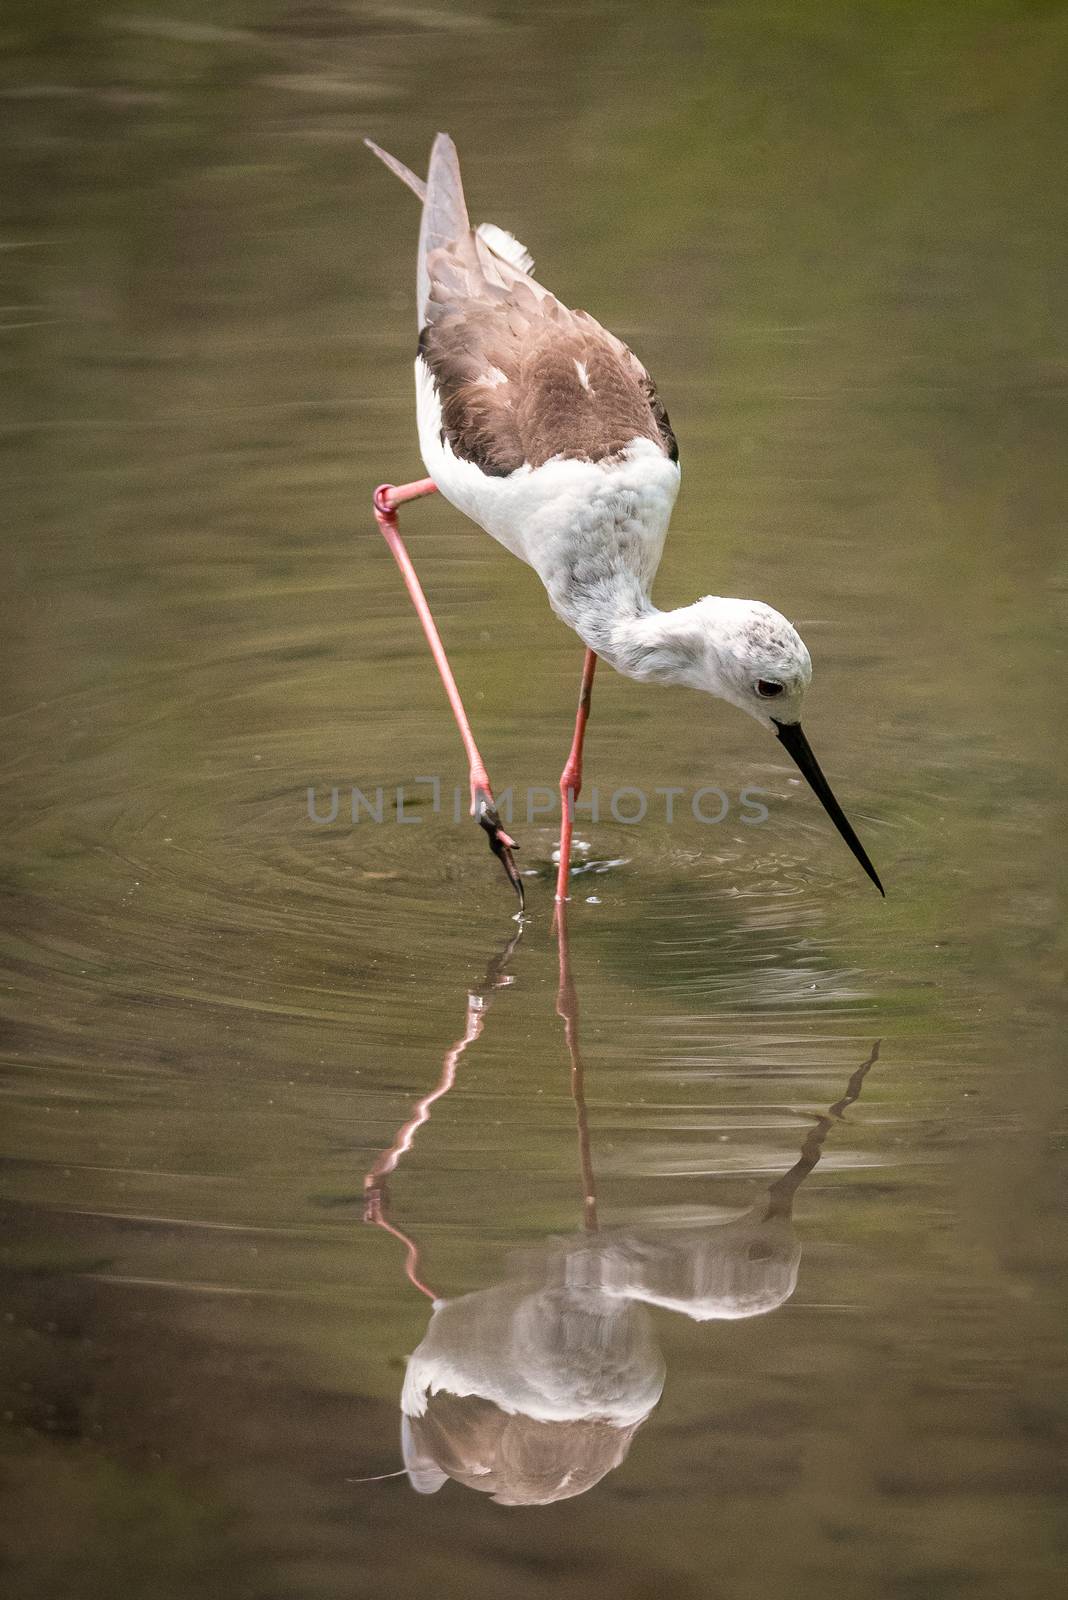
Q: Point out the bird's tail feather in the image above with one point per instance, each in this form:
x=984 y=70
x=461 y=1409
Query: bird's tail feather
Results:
x=445 y=218
x=444 y=208
x=405 y=174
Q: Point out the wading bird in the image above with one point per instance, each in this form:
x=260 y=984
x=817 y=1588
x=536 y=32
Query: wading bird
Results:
x=543 y=428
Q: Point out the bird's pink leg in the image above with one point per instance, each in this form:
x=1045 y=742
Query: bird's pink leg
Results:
x=387 y=498
x=571 y=777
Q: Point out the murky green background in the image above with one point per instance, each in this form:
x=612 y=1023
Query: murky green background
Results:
x=836 y=234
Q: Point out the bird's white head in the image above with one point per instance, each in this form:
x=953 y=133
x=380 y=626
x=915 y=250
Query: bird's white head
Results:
x=750 y=655
x=747 y=653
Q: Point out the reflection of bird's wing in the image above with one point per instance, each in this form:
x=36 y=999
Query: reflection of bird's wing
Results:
x=516 y=1459
x=424 y=1474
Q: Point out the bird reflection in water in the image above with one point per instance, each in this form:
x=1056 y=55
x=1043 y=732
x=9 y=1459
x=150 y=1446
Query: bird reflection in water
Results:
x=532 y=1390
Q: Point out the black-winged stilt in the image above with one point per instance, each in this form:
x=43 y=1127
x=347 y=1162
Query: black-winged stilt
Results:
x=547 y=431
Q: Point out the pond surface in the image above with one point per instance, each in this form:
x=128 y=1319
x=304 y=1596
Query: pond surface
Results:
x=746 y=1201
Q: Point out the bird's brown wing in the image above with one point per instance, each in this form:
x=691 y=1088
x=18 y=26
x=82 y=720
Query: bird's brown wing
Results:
x=523 y=380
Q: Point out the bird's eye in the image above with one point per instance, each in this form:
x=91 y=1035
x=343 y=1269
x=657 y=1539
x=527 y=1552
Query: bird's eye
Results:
x=767 y=688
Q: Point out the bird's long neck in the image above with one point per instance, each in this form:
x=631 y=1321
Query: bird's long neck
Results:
x=610 y=610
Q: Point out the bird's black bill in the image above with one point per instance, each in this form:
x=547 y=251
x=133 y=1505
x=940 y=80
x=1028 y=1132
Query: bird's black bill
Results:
x=791 y=736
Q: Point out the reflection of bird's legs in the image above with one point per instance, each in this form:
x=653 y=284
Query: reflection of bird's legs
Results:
x=375 y=1185
x=567 y=1009
x=782 y=1191
x=855 y=1084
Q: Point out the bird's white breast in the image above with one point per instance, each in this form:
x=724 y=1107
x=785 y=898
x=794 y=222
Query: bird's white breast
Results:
x=538 y=513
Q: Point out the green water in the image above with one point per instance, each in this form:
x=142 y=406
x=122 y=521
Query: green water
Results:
x=836 y=234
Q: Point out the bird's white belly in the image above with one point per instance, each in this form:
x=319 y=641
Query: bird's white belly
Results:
x=538 y=513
